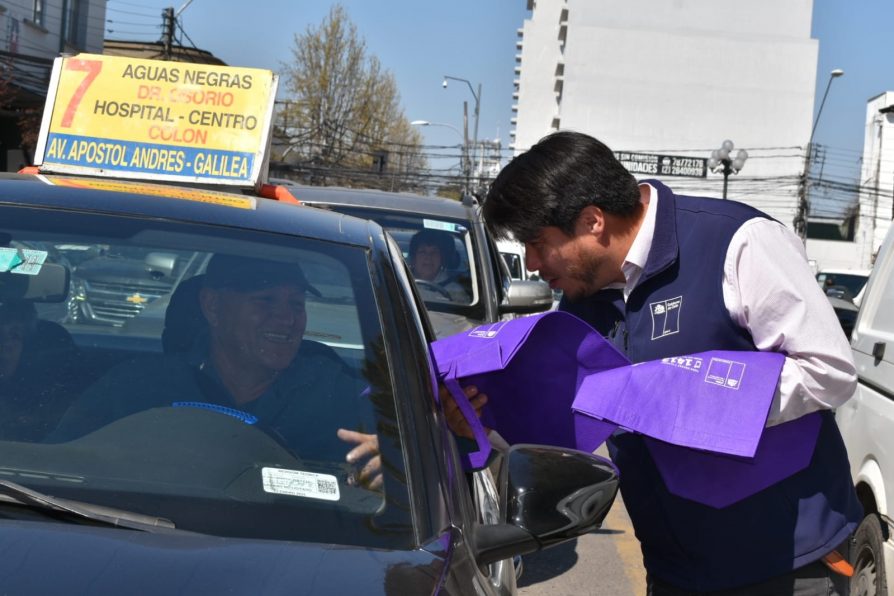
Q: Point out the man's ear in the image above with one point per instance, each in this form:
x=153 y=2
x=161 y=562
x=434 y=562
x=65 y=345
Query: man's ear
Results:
x=591 y=221
x=209 y=301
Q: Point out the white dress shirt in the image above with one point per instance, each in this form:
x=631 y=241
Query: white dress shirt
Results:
x=769 y=289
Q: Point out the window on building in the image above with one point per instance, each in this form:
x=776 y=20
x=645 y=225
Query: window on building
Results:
x=75 y=24
x=37 y=13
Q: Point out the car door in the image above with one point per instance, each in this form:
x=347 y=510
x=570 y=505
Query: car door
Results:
x=478 y=500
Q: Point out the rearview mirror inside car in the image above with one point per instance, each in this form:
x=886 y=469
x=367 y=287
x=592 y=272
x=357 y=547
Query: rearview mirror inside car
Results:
x=49 y=283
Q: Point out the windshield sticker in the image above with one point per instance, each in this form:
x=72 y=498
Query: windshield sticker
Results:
x=23 y=261
x=434 y=224
x=300 y=484
x=9 y=258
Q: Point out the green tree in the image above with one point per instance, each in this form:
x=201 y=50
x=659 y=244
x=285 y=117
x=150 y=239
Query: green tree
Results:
x=343 y=123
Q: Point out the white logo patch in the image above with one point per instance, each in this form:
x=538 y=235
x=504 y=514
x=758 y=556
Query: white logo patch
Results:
x=726 y=373
x=685 y=362
x=666 y=317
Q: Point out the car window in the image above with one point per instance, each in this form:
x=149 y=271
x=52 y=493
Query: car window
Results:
x=841 y=285
x=514 y=263
x=440 y=254
x=134 y=390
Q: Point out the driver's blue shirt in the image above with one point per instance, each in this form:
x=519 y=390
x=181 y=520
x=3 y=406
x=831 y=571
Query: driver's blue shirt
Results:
x=304 y=407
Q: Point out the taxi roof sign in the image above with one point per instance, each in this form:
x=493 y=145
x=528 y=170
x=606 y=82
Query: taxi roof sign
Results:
x=149 y=119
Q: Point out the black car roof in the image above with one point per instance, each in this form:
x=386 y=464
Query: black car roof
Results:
x=392 y=201
x=268 y=215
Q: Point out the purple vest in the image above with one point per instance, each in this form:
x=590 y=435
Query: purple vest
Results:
x=677 y=309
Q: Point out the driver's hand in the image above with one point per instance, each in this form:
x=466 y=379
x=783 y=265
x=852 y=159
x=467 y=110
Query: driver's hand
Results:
x=365 y=458
x=455 y=419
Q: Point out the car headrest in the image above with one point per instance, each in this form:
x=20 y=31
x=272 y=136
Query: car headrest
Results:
x=184 y=320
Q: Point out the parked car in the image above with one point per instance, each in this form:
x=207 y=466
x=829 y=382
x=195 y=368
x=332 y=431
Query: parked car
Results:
x=118 y=283
x=513 y=253
x=192 y=497
x=867 y=426
x=846 y=284
x=846 y=311
x=492 y=293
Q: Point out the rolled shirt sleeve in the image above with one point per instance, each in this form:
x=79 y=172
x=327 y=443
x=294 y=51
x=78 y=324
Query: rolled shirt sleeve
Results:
x=769 y=289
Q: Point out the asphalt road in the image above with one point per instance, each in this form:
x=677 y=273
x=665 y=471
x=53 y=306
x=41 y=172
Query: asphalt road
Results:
x=603 y=563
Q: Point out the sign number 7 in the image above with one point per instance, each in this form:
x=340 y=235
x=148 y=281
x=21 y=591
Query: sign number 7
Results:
x=92 y=68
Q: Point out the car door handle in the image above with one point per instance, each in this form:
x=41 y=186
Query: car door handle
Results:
x=878 y=351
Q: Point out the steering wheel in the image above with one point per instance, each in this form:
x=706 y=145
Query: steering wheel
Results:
x=431 y=286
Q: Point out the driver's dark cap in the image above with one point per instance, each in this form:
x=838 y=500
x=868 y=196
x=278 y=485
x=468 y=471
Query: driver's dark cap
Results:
x=248 y=274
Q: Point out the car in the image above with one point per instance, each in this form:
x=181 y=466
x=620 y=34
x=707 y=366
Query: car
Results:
x=187 y=496
x=513 y=253
x=846 y=311
x=490 y=293
x=867 y=427
x=846 y=284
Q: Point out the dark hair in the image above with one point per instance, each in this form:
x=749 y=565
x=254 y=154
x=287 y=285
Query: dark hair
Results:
x=550 y=184
x=18 y=311
x=442 y=240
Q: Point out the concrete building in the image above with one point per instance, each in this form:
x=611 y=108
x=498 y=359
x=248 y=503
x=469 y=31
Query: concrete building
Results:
x=32 y=33
x=676 y=78
x=876 y=208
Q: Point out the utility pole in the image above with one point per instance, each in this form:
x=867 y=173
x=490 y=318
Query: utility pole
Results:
x=467 y=160
x=800 y=222
x=167 y=39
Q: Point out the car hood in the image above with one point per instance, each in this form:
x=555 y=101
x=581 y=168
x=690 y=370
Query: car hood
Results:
x=54 y=558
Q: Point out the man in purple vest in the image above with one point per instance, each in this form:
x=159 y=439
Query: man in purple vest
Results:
x=666 y=275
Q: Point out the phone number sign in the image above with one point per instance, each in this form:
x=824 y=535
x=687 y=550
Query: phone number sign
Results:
x=150 y=119
x=663 y=165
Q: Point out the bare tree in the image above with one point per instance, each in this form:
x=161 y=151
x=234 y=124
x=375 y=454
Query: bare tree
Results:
x=343 y=122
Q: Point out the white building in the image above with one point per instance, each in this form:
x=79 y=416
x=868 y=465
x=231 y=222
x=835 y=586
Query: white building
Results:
x=32 y=33
x=676 y=77
x=876 y=177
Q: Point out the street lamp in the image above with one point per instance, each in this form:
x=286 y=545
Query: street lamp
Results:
x=832 y=75
x=721 y=161
x=477 y=97
x=800 y=221
x=466 y=165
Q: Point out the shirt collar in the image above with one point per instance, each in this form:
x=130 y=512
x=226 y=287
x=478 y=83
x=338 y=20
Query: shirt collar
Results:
x=636 y=258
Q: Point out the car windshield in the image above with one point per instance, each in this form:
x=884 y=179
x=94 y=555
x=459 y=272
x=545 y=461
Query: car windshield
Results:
x=438 y=252
x=214 y=377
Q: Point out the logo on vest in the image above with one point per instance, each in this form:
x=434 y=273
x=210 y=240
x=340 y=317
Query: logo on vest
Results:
x=726 y=373
x=689 y=363
x=487 y=331
x=666 y=317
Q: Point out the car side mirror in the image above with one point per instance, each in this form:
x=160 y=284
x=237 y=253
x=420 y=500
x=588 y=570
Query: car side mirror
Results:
x=552 y=495
x=525 y=297
x=161 y=264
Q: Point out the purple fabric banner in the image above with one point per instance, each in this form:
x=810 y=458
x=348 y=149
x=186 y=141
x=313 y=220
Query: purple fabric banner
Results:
x=531 y=369
x=552 y=379
x=717 y=401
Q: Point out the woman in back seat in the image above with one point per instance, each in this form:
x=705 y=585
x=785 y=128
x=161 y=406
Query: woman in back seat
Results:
x=35 y=362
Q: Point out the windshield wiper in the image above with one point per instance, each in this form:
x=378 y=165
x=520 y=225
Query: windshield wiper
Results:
x=97 y=513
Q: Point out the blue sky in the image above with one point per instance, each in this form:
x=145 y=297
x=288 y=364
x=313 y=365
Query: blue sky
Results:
x=420 y=41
